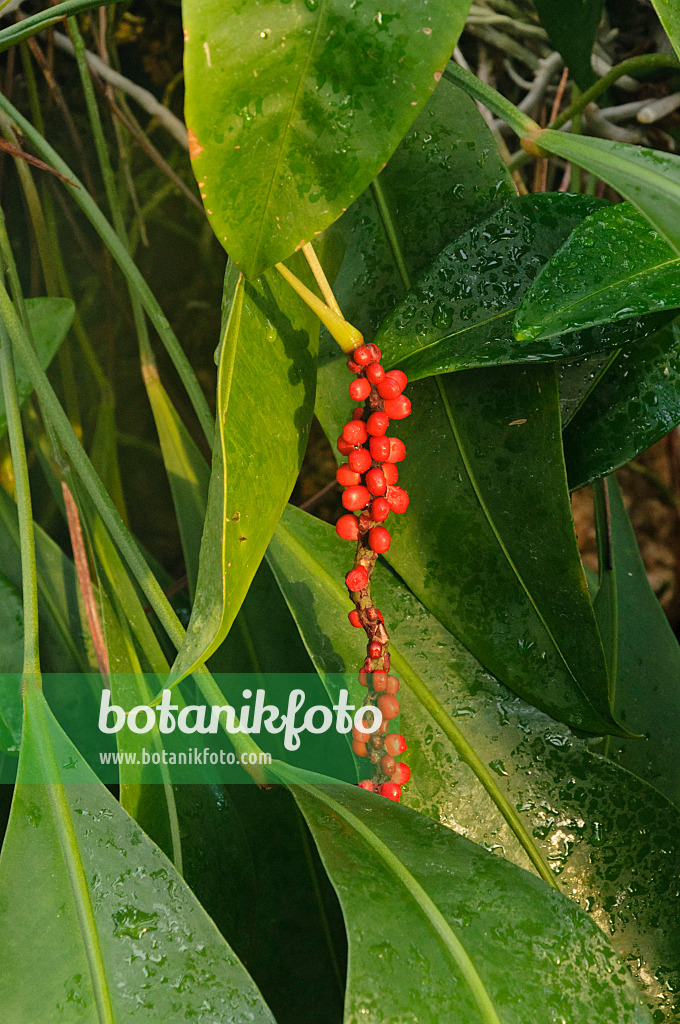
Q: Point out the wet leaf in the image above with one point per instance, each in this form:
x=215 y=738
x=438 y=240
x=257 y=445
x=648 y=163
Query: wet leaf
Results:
x=292 y=108
x=497 y=770
x=572 y=30
x=116 y=932
x=459 y=314
x=265 y=397
x=49 y=321
x=645 y=661
x=612 y=267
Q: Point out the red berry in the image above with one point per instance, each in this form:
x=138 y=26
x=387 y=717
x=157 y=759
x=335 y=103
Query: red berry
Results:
x=367 y=784
x=379 y=681
x=375 y=480
x=388 y=765
x=397 y=498
x=379 y=539
x=397 y=451
x=357 y=497
x=375 y=373
x=391 y=790
x=390 y=470
x=363 y=681
x=389 y=388
x=346 y=476
x=383 y=728
x=377 y=423
x=362 y=355
x=399 y=376
x=374 y=649
x=376 y=354
x=354 y=367
x=398 y=408
x=395 y=744
x=354 y=432
x=380 y=448
x=359 y=748
x=389 y=705
x=355 y=621
x=347 y=527
x=392 y=684
x=402 y=774
x=360 y=389
x=380 y=509
x=360 y=736
x=344 y=447
x=360 y=460
x=357 y=414
x=356 y=579
x=380 y=615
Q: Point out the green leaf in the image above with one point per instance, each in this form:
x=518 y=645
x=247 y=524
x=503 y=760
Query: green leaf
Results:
x=11 y=664
x=470 y=938
x=112 y=909
x=496 y=769
x=646 y=661
x=648 y=178
x=459 y=314
x=613 y=266
x=670 y=19
x=49 y=320
x=292 y=108
x=572 y=29
x=27 y=27
x=265 y=399
x=632 y=403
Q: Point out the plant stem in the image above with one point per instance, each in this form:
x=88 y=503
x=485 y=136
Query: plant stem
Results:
x=521 y=123
x=347 y=337
x=320 y=277
x=14 y=34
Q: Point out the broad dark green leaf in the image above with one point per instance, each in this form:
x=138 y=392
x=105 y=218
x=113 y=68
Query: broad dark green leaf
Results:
x=499 y=771
x=459 y=314
x=441 y=930
x=613 y=266
x=49 y=320
x=265 y=399
x=645 y=662
x=576 y=380
x=292 y=108
x=630 y=405
x=670 y=19
x=648 y=178
x=572 y=29
x=116 y=933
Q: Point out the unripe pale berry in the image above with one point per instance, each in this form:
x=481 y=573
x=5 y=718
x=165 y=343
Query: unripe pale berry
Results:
x=389 y=705
x=388 y=764
x=359 y=748
x=389 y=469
x=357 y=497
x=379 y=681
x=356 y=579
x=360 y=389
x=355 y=620
x=402 y=774
x=346 y=476
x=379 y=539
x=362 y=355
x=397 y=452
x=344 y=447
x=380 y=509
x=376 y=354
x=374 y=649
x=354 y=432
x=395 y=744
x=375 y=373
x=392 y=684
x=398 y=408
x=377 y=423
x=360 y=460
x=389 y=388
x=367 y=784
x=380 y=448
x=397 y=498
x=391 y=790
x=347 y=527
x=375 y=480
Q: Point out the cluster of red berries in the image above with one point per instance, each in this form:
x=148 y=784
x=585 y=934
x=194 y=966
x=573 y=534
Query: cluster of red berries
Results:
x=370 y=478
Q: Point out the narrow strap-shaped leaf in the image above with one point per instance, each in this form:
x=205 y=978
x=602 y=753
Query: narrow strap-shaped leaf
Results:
x=670 y=19
x=560 y=21
x=12 y=35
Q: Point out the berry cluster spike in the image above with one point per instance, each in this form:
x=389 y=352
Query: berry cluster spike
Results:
x=370 y=478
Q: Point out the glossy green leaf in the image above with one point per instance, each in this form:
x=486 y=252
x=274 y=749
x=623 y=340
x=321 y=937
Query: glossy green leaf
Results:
x=648 y=178
x=670 y=19
x=292 y=108
x=459 y=314
x=265 y=398
x=576 y=380
x=645 y=661
x=49 y=320
x=614 y=266
x=497 y=770
x=631 y=404
x=116 y=933
x=471 y=938
x=572 y=29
